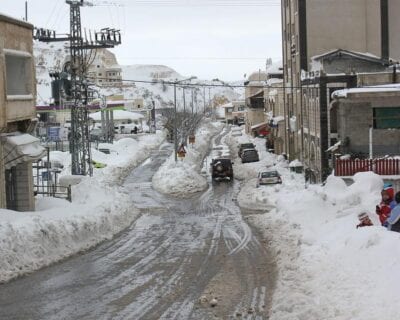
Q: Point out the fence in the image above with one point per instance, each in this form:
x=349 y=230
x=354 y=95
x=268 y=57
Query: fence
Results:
x=384 y=167
x=46 y=181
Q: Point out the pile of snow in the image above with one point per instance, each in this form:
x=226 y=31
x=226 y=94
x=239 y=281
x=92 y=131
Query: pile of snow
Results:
x=58 y=229
x=183 y=177
x=327 y=268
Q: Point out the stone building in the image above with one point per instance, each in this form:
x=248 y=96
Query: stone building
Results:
x=104 y=70
x=254 y=99
x=18 y=148
x=314 y=28
x=380 y=107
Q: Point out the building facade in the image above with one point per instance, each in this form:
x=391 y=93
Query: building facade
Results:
x=17 y=115
x=254 y=99
x=314 y=28
x=378 y=130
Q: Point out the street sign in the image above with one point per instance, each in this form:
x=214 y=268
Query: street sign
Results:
x=53 y=133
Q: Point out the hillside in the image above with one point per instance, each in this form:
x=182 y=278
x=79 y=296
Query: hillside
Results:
x=51 y=57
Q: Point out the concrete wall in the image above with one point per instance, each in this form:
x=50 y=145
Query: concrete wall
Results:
x=24 y=190
x=16 y=35
x=394 y=29
x=347 y=64
x=356 y=127
x=253 y=117
x=353 y=25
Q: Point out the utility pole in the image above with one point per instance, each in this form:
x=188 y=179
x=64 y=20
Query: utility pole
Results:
x=204 y=99
x=192 y=101
x=107 y=38
x=184 y=100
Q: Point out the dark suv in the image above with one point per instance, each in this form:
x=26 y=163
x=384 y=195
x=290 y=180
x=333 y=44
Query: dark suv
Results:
x=222 y=168
x=243 y=146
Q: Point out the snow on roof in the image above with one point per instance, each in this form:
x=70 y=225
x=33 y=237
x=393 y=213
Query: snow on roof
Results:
x=275 y=68
x=361 y=55
x=274 y=81
x=227 y=105
x=259 y=125
x=295 y=163
x=394 y=87
x=118 y=115
x=334 y=147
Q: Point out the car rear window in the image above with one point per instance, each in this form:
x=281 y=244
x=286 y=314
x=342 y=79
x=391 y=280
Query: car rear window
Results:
x=269 y=174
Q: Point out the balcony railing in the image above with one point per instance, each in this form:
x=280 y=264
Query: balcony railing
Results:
x=384 y=167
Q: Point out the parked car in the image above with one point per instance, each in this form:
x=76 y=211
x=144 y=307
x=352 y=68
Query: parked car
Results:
x=222 y=168
x=268 y=177
x=243 y=146
x=249 y=155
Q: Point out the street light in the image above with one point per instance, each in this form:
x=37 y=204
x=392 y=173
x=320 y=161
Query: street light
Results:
x=175 y=119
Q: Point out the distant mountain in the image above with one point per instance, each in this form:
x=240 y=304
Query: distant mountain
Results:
x=51 y=57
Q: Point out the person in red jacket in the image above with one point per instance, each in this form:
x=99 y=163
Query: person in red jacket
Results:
x=383 y=209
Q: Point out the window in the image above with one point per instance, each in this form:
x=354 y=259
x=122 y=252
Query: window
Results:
x=229 y=110
x=387 y=118
x=19 y=73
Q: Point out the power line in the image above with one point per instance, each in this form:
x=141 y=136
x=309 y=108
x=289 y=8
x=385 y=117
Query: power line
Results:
x=227 y=85
x=195 y=58
x=198 y=3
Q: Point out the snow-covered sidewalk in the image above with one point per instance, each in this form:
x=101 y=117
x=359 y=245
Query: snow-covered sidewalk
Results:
x=183 y=177
x=327 y=268
x=58 y=229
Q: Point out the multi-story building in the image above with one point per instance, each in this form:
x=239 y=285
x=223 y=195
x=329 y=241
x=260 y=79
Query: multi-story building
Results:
x=17 y=113
x=313 y=28
x=104 y=71
x=274 y=107
x=254 y=99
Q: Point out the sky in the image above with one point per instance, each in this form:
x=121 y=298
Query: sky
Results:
x=223 y=39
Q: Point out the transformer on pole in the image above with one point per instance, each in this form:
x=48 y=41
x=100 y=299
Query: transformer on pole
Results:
x=81 y=160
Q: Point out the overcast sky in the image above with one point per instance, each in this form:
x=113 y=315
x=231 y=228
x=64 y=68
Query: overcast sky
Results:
x=209 y=39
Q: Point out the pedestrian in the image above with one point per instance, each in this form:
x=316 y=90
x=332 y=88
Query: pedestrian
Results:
x=393 y=222
x=364 y=219
x=385 y=206
x=135 y=130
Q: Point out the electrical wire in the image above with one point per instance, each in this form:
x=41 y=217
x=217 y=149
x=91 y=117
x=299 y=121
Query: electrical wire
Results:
x=227 y=85
x=193 y=3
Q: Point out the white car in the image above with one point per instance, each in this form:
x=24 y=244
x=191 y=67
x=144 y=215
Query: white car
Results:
x=268 y=177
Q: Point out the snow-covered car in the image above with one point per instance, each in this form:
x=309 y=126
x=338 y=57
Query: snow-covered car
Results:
x=249 y=155
x=222 y=168
x=268 y=177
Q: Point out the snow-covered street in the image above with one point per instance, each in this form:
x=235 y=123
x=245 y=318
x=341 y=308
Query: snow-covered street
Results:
x=174 y=262
x=289 y=251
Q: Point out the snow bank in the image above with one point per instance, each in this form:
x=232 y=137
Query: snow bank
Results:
x=328 y=269
x=58 y=229
x=183 y=177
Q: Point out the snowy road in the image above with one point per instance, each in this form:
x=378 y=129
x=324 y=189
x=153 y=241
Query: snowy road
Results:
x=168 y=265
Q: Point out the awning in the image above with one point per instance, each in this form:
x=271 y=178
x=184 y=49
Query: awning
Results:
x=258 y=126
x=19 y=148
x=258 y=94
